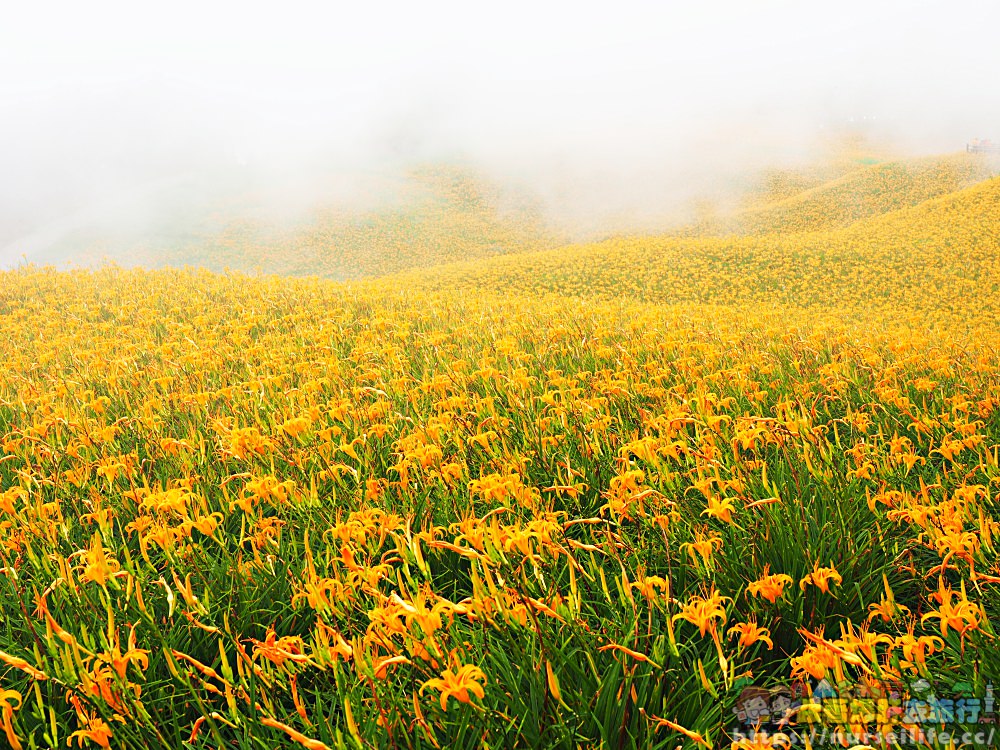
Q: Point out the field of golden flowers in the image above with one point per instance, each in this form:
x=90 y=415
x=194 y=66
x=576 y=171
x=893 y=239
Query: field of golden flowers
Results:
x=581 y=497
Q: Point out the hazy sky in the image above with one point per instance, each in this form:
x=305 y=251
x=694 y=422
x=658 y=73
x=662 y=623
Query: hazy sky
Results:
x=601 y=104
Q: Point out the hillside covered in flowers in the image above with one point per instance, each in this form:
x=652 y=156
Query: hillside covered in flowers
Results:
x=436 y=479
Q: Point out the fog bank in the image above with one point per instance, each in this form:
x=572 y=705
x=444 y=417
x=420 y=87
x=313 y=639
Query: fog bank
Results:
x=120 y=115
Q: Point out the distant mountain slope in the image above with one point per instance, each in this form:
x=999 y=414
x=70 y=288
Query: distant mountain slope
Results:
x=439 y=214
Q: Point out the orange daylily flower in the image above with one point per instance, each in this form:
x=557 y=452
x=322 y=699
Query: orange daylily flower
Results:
x=96 y=730
x=821 y=578
x=721 y=509
x=458 y=683
x=750 y=633
x=287 y=648
x=960 y=615
x=769 y=586
x=703 y=611
x=99 y=566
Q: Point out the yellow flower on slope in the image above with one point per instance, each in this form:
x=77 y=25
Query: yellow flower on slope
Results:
x=466 y=679
x=750 y=633
x=961 y=616
x=96 y=730
x=279 y=650
x=702 y=612
x=99 y=567
x=821 y=578
x=770 y=586
x=721 y=509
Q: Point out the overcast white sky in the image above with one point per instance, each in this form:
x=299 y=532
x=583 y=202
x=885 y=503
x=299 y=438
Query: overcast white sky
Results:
x=591 y=100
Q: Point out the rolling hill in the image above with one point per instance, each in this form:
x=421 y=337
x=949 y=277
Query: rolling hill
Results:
x=941 y=255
